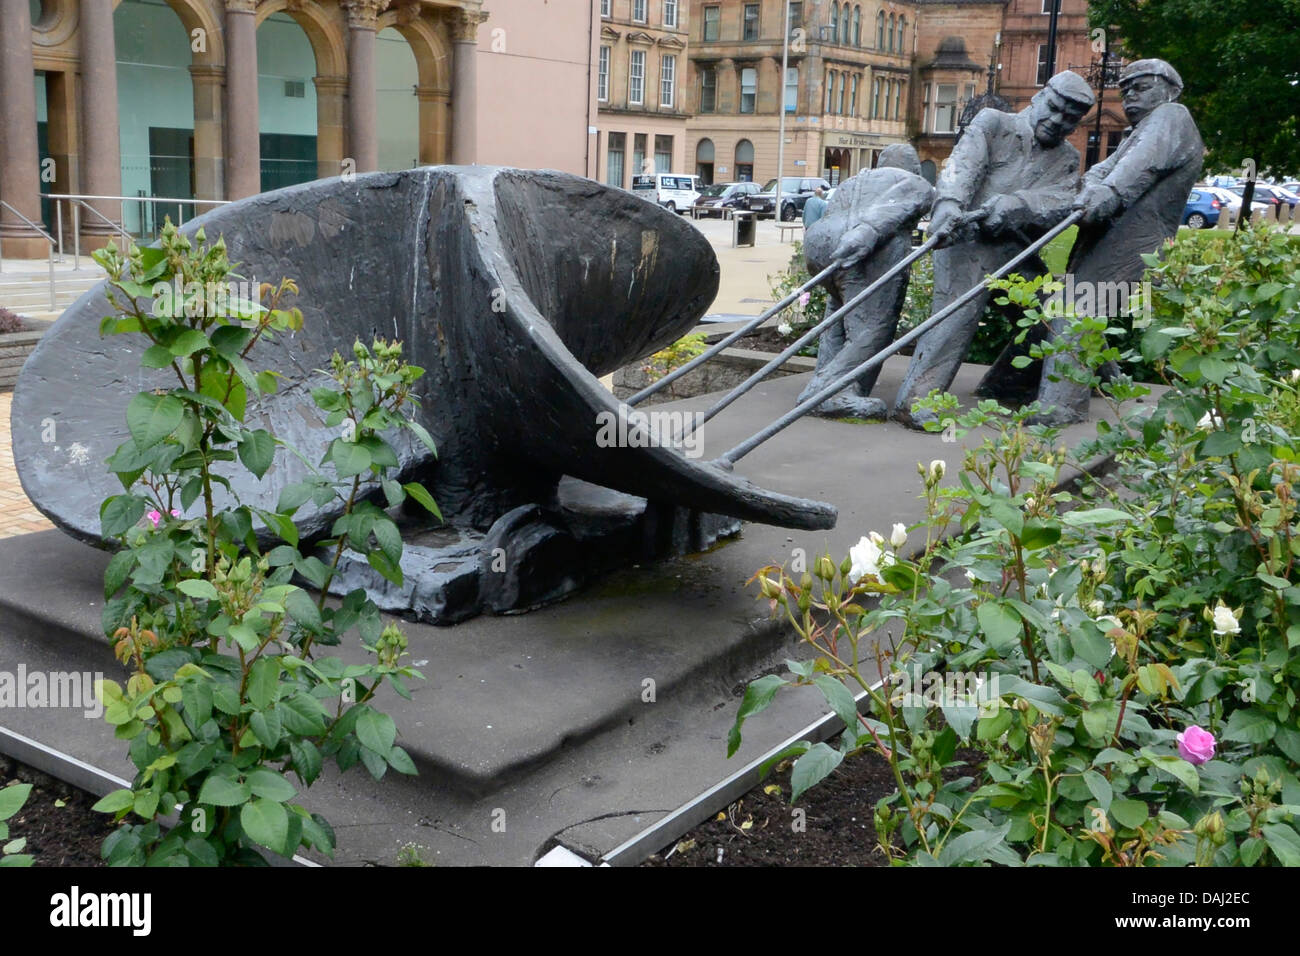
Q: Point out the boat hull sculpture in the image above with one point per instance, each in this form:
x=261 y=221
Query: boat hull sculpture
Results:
x=515 y=290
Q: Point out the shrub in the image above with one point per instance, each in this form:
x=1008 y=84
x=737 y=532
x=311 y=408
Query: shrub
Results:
x=10 y=321
x=227 y=695
x=1121 y=659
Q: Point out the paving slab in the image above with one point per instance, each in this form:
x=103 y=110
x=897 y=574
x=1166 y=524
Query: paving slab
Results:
x=577 y=724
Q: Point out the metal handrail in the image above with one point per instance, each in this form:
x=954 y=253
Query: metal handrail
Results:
x=44 y=235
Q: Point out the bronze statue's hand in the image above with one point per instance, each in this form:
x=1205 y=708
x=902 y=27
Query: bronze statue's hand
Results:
x=856 y=244
x=997 y=214
x=1099 y=203
x=944 y=221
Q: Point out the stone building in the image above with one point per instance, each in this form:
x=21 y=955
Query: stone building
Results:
x=220 y=99
x=641 y=114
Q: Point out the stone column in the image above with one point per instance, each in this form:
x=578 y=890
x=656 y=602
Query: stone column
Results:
x=20 y=184
x=331 y=105
x=363 y=138
x=464 y=86
x=101 y=165
x=209 y=120
x=435 y=104
x=243 y=147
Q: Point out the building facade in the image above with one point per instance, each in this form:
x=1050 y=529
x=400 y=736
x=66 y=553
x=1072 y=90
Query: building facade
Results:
x=220 y=99
x=641 y=113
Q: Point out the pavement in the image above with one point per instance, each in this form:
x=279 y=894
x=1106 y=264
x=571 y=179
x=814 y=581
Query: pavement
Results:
x=17 y=514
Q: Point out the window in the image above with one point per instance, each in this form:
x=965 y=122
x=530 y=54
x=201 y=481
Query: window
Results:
x=889 y=37
x=638 y=154
x=670 y=13
x=792 y=89
x=663 y=154
x=639 y=11
x=708 y=90
x=875 y=98
x=796 y=14
x=853 y=96
x=751 y=22
x=604 y=7
x=835 y=22
x=704 y=160
x=844 y=81
x=898 y=99
x=602 y=75
x=667 y=80
x=902 y=26
x=846 y=36
x=748 y=89
x=945 y=108
x=1047 y=6
x=636 y=77
x=925 y=105
x=880 y=30
x=614 y=165
x=744 y=161
x=857 y=26
x=1042 y=65
x=712 y=17
x=830 y=90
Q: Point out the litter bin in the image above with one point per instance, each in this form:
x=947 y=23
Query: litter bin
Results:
x=744 y=229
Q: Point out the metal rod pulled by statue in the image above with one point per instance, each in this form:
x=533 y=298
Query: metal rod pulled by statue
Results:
x=1010 y=178
x=1132 y=203
x=868 y=227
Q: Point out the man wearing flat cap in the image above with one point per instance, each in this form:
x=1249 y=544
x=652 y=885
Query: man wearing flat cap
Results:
x=1132 y=203
x=1011 y=177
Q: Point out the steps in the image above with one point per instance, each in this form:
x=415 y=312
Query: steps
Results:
x=26 y=290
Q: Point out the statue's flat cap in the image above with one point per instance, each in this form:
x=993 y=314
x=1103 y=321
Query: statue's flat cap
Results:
x=1151 y=68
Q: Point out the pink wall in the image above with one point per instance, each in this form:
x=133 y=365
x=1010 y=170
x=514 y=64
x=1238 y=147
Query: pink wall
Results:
x=536 y=84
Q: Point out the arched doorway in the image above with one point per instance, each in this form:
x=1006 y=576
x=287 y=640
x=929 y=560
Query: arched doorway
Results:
x=704 y=161
x=744 y=162
x=425 y=133
x=397 y=119
x=286 y=102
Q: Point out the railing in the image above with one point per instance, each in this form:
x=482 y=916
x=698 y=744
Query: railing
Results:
x=79 y=202
x=45 y=235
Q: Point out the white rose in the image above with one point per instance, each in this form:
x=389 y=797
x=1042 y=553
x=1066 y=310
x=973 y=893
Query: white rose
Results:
x=866 y=559
x=1225 y=620
x=898 y=537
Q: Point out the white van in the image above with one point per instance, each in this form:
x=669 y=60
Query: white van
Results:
x=675 y=193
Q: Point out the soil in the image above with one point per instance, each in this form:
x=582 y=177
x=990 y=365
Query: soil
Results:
x=60 y=827
x=767 y=339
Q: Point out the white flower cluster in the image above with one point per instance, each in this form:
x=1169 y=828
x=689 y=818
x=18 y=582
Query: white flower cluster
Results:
x=871 y=555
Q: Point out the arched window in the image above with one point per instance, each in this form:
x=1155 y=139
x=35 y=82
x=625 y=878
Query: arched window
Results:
x=844 y=80
x=857 y=26
x=902 y=28
x=889 y=39
x=880 y=30
x=844 y=25
x=830 y=90
x=853 y=97
x=704 y=160
x=835 y=22
x=745 y=161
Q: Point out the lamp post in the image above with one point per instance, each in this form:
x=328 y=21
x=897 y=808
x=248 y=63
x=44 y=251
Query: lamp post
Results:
x=780 y=136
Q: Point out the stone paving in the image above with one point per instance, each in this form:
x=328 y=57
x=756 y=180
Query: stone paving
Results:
x=17 y=514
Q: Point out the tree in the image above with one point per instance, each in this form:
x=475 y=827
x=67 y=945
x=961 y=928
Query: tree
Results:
x=1239 y=66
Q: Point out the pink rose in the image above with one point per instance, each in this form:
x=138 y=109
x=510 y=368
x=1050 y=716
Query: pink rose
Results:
x=1196 y=746
x=154 y=516
x=803 y=299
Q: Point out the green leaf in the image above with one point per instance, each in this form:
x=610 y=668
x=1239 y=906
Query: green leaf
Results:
x=263 y=682
x=266 y=727
x=1039 y=534
x=1099 y=787
x=265 y=782
x=119 y=568
x=389 y=538
x=222 y=790
x=266 y=822
x=376 y=730
x=157 y=356
x=1129 y=813
x=293 y=496
x=306 y=760
x=1083 y=518
x=812 y=768
x=151 y=418
x=302 y=714
x=422 y=434
x=257 y=451
x=198 y=588
x=1001 y=624
x=401 y=761
x=758 y=695
x=416 y=491
x=1220 y=445
x=1177 y=767
x=840 y=700
x=119 y=514
x=303 y=609
x=349 y=459
x=973 y=846
x=188 y=342
x=1284 y=842
x=13 y=798
x=389 y=569
x=1250 y=725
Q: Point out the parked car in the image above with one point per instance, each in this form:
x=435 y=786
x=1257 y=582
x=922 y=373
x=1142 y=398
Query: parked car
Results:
x=673 y=192
x=714 y=200
x=795 y=191
x=1228 y=200
x=1202 y=209
x=1263 y=196
x=1286 y=195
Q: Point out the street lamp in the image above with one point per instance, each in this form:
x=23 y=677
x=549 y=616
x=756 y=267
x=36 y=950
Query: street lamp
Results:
x=780 y=136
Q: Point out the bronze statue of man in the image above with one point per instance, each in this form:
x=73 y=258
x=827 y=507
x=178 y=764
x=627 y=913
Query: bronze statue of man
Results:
x=1132 y=203
x=868 y=226
x=1010 y=178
